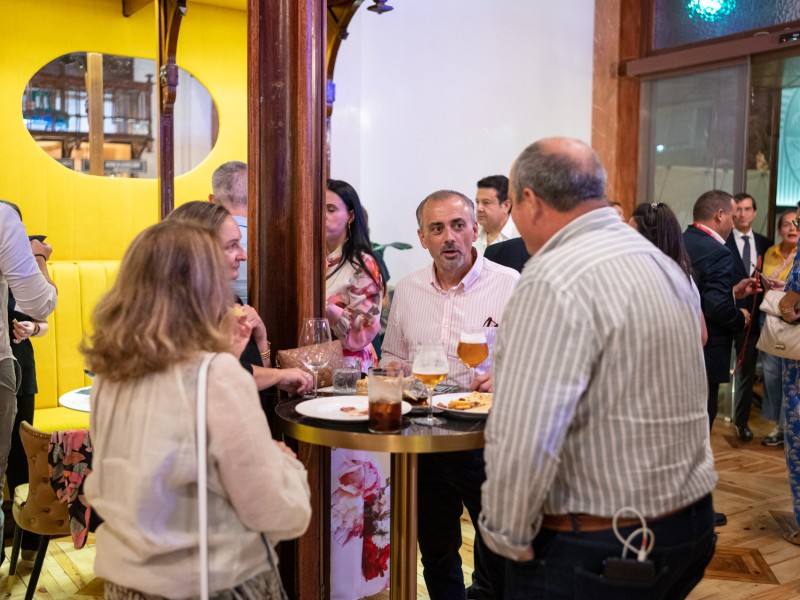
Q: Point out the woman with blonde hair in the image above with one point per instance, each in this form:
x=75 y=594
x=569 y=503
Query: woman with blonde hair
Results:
x=253 y=348
x=168 y=310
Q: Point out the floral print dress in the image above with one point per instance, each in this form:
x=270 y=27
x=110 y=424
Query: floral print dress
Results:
x=353 y=305
x=791 y=407
x=360 y=509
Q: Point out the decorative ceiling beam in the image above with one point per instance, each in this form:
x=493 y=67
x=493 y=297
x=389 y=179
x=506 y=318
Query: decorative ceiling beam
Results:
x=131 y=6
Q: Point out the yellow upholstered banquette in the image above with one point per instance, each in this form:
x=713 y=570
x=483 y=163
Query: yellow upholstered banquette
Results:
x=59 y=365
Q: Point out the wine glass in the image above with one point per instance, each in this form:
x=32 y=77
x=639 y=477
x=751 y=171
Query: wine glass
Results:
x=473 y=348
x=430 y=367
x=315 y=346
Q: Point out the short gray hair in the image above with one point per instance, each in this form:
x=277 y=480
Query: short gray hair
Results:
x=562 y=179
x=445 y=195
x=229 y=184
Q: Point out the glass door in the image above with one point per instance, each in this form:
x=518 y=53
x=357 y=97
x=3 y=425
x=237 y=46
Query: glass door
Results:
x=693 y=132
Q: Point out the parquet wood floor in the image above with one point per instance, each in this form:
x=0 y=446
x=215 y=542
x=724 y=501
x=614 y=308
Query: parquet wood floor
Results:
x=752 y=560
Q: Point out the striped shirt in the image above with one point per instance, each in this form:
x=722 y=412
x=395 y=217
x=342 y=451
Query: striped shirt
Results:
x=422 y=311
x=600 y=389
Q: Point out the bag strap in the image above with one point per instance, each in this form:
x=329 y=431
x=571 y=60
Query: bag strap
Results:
x=273 y=564
x=784 y=264
x=202 y=473
x=202 y=486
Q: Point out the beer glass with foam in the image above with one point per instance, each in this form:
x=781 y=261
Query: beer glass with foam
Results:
x=473 y=348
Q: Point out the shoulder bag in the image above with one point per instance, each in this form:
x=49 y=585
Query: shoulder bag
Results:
x=778 y=337
x=293 y=357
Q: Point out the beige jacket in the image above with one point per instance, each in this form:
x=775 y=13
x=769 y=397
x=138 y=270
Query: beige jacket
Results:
x=144 y=480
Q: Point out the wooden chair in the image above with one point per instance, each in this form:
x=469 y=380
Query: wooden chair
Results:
x=36 y=506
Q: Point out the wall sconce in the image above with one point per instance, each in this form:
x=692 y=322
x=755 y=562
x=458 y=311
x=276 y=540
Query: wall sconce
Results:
x=380 y=7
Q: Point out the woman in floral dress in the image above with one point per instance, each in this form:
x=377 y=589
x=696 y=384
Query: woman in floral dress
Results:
x=359 y=480
x=353 y=285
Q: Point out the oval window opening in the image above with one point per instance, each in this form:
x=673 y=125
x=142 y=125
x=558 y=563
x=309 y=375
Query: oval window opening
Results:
x=55 y=111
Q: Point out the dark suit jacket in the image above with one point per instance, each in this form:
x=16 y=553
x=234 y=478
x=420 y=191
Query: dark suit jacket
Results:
x=759 y=247
x=712 y=270
x=511 y=253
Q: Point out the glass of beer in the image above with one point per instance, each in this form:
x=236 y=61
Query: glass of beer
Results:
x=430 y=367
x=385 y=400
x=473 y=348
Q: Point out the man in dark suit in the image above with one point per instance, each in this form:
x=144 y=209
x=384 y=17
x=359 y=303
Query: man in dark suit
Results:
x=510 y=253
x=712 y=269
x=747 y=248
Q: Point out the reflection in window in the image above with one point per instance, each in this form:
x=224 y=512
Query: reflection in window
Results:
x=55 y=104
x=679 y=22
x=788 y=190
x=694 y=137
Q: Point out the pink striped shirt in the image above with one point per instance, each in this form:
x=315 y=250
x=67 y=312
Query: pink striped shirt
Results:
x=422 y=311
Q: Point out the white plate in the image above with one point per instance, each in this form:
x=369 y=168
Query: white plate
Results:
x=328 y=389
x=472 y=414
x=329 y=409
x=77 y=399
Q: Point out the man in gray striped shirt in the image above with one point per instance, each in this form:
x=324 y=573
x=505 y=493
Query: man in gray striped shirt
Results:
x=600 y=398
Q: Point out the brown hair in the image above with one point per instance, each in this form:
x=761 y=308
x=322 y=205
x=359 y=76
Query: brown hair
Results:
x=167 y=304
x=208 y=215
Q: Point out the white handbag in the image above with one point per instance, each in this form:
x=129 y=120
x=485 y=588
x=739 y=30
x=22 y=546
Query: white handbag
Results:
x=778 y=337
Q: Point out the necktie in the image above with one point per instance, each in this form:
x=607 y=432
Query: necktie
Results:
x=746 y=254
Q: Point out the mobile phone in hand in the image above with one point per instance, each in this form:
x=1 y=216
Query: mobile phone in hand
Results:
x=38 y=238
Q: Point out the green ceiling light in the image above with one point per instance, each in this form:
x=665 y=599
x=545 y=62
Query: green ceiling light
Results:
x=710 y=10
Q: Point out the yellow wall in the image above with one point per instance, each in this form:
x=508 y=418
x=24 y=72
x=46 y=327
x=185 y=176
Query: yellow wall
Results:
x=88 y=217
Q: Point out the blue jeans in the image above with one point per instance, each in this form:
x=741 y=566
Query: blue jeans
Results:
x=772 y=396
x=773 y=389
x=447 y=483
x=570 y=565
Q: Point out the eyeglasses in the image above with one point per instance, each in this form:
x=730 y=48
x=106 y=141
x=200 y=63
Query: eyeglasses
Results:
x=490 y=322
x=796 y=223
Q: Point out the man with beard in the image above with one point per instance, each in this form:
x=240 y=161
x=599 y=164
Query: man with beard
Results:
x=459 y=290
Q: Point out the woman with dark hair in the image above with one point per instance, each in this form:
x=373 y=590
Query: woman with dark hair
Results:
x=658 y=223
x=353 y=281
x=359 y=552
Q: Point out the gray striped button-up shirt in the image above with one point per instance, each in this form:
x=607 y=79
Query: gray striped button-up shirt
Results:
x=600 y=388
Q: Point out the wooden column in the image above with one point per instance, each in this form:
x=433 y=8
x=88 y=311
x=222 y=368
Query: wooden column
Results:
x=168 y=20
x=94 y=95
x=615 y=97
x=286 y=251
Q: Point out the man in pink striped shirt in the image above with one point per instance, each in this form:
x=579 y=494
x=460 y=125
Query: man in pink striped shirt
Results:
x=460 y=289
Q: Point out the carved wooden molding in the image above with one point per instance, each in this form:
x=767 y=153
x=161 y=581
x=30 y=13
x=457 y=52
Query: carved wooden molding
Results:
x=171 y=12
x=129 y=7
x=169 y=16
x=340 y=13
